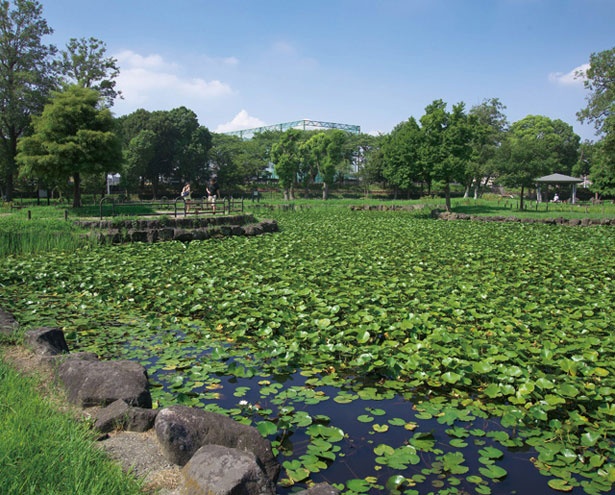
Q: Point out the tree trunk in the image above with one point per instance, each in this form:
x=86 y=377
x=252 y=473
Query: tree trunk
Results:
x=521 y=200
x=447 y=194
x=325 y=191
x=9 y=184
x=76 y=190
x=10 y=148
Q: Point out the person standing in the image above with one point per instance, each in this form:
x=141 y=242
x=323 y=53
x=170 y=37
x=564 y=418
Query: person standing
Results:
x=213 y=191
x=187 y=195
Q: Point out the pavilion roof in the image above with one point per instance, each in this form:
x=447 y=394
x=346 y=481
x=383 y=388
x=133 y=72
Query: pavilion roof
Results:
x=558 y=179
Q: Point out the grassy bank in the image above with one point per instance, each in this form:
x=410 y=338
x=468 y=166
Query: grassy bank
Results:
x=45 y=451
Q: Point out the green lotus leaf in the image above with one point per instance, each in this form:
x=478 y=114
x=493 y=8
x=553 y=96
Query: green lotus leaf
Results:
x=376 y=411
x=397 y=422
x=589 y=438
x=458 y=443
x=267 y=428
x=568 y=390
x=451 y=377
x=380 y=428
x=395 y=482
x=560 y=485
x=365 y=418
x=493 y=472
x=384 y=450
x=477 y=480
x=358 y=485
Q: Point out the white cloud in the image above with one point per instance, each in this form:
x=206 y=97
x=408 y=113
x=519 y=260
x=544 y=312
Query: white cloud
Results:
x=573 y=78
x=284 y=48
x=241 y=121
x=155 y=84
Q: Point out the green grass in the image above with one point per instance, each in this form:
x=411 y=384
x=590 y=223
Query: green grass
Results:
x=45 y=451
x=510 y=207
x=23 y=236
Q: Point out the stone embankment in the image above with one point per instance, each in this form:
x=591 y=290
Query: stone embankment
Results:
x=180 y=229
x=579 y=222
x=200 y=451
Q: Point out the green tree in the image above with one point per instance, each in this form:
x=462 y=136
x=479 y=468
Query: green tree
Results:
x=364 y=151
x=225 y=157
x=26 y=78
x=401 y=156
x=181 y=146
x=602 y=171
x=137 y=156
x=599 y=80
x=600 y=110
x=239 y=161
x=84 y=63
x=325 y=150
x=488 y=129
x=535 y=146
x=286 y=157
x=446 y=144
x=72 y=137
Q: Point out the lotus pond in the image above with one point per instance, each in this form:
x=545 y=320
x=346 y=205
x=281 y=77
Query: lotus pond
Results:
x=381 y=352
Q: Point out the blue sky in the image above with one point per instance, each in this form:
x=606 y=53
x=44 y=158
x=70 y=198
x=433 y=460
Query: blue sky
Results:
x=373 y=63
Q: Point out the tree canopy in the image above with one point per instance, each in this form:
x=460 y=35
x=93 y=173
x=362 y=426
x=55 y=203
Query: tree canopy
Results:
x=599 y=80
x=84 y=63
x=174 y=147
x=26 y=78
x=72 y=137
x=535 y=146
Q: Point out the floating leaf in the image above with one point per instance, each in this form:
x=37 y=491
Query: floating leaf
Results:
x=560 y=485
x=492 y=471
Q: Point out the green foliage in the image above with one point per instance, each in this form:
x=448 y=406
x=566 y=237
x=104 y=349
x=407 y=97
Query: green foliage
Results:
x=22 y=237
x=72 y=137
x=84 y=63
x=402 y=165
x=286 y=157
x=536 y=146
x=44 y=451
x=167 y=145
x=26 y=77
x=599 y=79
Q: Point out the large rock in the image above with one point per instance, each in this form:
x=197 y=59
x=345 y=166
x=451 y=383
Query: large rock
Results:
x=99 y=383
x=119 y=415
x=320 y=489
x=182 y=430
x=8 y=324
x=47 y=341
x=218 y=470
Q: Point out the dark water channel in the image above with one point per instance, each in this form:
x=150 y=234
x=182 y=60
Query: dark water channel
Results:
x=356 y=457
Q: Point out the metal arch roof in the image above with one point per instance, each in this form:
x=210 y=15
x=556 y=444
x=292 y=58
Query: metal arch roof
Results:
x=558 y=179
x=305 y=124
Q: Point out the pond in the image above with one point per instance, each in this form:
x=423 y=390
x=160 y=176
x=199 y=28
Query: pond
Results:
x=375 y=350
x=371 y=440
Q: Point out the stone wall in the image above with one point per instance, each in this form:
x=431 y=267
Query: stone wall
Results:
x=579 y=222
x=184 y=229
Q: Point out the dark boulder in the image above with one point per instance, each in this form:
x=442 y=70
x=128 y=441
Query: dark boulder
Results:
x=120 y=416
x=219 y=470
x=47 y=341
x=99 y=383
x=182 y=430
